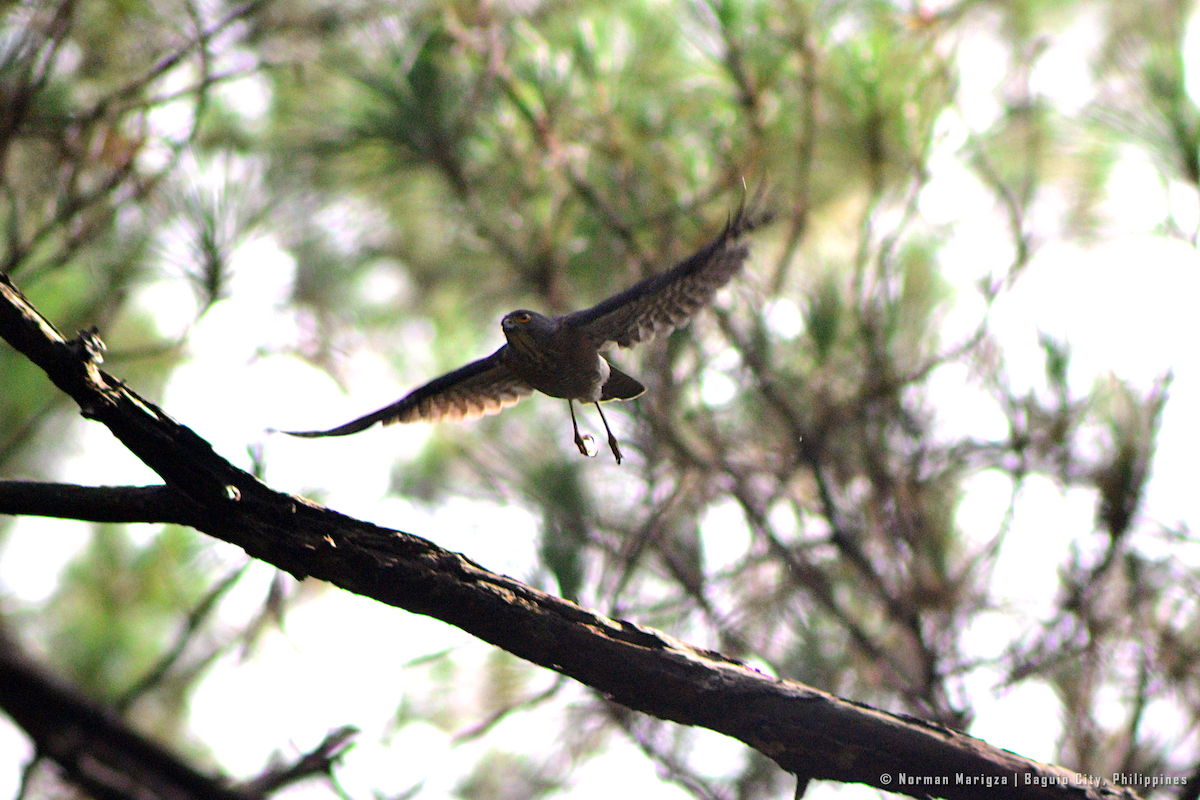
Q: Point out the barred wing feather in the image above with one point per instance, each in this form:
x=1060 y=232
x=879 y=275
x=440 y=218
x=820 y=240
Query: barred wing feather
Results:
x=661 y=303
x=482 y=387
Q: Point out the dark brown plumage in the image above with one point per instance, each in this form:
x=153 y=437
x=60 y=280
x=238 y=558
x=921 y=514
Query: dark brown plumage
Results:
x=560 y=356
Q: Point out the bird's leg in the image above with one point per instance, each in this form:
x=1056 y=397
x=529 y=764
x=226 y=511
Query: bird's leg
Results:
x=580 y=441
x=612 y=440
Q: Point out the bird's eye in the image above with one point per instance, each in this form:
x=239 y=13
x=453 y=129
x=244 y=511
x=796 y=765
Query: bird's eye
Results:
x=523 y=317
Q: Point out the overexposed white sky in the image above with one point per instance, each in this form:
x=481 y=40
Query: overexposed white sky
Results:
x=1126 y=305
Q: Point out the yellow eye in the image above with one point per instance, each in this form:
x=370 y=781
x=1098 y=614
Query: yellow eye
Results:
x=523 y=317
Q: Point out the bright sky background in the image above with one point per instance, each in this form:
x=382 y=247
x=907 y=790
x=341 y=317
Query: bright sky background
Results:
x=1127 y=306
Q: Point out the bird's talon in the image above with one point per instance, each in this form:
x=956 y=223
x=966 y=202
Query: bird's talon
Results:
x=586 y=444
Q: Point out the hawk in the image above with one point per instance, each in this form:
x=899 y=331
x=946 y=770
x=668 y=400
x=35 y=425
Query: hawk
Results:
x=561 y=356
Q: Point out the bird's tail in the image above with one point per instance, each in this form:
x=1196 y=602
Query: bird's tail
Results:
x=620 y=386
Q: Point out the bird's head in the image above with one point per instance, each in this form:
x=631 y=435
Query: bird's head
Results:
x=530 y=322
x=524 y=329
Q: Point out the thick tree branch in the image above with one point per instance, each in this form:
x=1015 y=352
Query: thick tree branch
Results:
x=804 y=730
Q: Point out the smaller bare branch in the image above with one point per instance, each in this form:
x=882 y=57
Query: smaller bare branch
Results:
x=499 y=715
x=195 y=619
x=152 y=504
x=320 y=761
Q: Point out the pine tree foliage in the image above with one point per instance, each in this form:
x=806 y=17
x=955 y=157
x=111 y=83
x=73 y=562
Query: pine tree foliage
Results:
x=798 y=464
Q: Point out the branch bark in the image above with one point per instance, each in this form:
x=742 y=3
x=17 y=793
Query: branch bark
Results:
x=805 y=731
x=155 y=504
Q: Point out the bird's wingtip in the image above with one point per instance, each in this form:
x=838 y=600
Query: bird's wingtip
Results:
x=352 y=427
x=751 y=212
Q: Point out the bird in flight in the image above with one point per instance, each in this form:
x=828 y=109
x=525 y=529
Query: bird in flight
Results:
x=561 y=356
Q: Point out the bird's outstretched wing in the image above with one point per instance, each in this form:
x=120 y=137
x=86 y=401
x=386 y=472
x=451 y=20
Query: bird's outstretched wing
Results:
x=481 y=387
x=667 y=301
